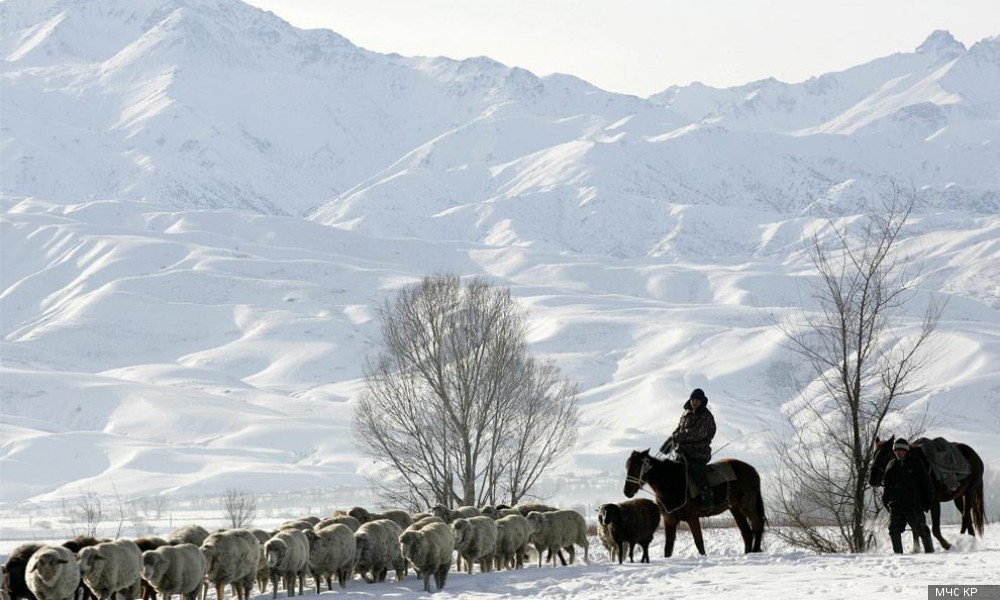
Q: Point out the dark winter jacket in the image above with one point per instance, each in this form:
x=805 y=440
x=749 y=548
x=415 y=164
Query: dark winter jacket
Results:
x=694 y=433
x=907 y=485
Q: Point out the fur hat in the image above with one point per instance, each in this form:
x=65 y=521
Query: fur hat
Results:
x=699 y=394
x=901 y=444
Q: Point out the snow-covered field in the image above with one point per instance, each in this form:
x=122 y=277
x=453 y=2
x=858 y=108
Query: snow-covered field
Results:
x=778 y=572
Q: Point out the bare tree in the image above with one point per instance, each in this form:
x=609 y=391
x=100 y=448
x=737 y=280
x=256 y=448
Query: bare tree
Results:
x=86 y=516
x=865 y=356
x=239 y=508
x=454 y=407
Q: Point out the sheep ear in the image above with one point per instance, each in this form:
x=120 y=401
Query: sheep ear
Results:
x=33 y=568
x=99 y=557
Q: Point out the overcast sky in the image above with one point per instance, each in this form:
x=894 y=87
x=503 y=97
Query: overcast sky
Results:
x=643 y=46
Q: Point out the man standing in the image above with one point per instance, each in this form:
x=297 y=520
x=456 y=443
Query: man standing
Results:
x=907 y=495
x=693 y=440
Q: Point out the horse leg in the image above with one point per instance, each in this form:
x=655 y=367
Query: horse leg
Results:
x=741 y=522
x=936 y=525
x=960 y=505
x=670 y=533
x=695 y=525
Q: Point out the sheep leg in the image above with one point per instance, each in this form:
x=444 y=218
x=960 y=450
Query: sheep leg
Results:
x=695 y=524
x=220 y=591
x=441 y=576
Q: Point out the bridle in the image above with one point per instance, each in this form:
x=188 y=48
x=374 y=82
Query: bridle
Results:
x=643 y=468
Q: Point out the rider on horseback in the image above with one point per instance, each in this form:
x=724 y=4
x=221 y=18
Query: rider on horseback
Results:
x=693 y=440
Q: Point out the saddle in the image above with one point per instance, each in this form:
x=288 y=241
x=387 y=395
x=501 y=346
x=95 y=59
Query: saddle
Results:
x=945 y=459
x=717 y=472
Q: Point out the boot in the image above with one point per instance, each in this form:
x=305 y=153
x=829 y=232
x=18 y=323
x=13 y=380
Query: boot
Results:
x=897 y=542
x=925 y=537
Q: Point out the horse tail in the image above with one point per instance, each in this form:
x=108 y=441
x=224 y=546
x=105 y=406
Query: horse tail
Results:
x=978 y=511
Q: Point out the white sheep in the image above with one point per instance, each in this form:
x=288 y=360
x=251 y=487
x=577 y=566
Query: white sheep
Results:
x=512 y=541
x=338 y=519
x=176 y=569
x=377 y=550
x=476 y=541
x=300 y=524
x=188 y=534
x=428 y=548
x=462 y=512
x=287 y=555
x=331 y=554
x=110 y=567
x=558 y=529
x=607 y=539
x=496 y=513
x=232 y=556
x=425 y=521
x=52 y=573
x=263 y=571
x=399 y=517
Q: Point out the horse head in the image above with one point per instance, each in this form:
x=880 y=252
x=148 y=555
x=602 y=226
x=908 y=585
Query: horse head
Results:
x=880 y=460
x=636 y=467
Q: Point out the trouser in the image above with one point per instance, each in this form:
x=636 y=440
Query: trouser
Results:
x=699 y=473
x=899 y=519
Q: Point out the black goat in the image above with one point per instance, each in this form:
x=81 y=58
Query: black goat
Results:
x=630 y=522
x=14 y=570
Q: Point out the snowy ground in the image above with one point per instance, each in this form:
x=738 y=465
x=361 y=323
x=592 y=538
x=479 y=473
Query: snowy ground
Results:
x=779 y=572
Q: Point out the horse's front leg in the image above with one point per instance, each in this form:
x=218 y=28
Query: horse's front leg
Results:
x=936 y=524
x=670 y=535
x=694 y=524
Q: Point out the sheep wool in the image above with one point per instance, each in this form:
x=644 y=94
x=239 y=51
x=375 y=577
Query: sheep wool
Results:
x=558 y=529
x=429 y=549
x=111 y=567
x=232 y=557
x=377 y=550
x=52 y=573
x=287 y=555
x=176 y=569
x=476 y=541
x=331 y=554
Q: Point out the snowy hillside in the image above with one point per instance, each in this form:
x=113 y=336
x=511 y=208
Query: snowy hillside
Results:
x=203 y=208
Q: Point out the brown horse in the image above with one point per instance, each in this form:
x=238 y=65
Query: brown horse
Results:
x=968 y=496
x=668 y=481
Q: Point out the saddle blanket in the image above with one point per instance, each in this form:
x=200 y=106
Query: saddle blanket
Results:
x=945 y=459
x=718 y=472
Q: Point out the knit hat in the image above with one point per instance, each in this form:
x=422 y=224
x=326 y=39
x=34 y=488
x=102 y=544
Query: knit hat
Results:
x=901 y=444
x=699 y=394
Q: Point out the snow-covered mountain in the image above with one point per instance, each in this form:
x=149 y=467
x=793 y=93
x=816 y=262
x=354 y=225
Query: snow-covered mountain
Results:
x=204 y=206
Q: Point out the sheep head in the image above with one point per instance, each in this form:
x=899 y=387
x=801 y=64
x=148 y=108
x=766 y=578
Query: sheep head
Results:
x=153 y=565
x=89 y=558
x=536 y=520
x=48 y=564
x=462 y=529
x=608 y=514
x=408 y=543
x=276 y=551
x=360 y=514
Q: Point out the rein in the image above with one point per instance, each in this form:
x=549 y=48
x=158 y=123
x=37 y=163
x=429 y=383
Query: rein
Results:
x=641 y=481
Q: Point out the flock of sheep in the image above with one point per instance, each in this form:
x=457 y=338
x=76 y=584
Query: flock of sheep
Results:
x=189 y=559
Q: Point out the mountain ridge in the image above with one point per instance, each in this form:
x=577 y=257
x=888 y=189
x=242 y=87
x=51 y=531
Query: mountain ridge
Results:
x=204 y=208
